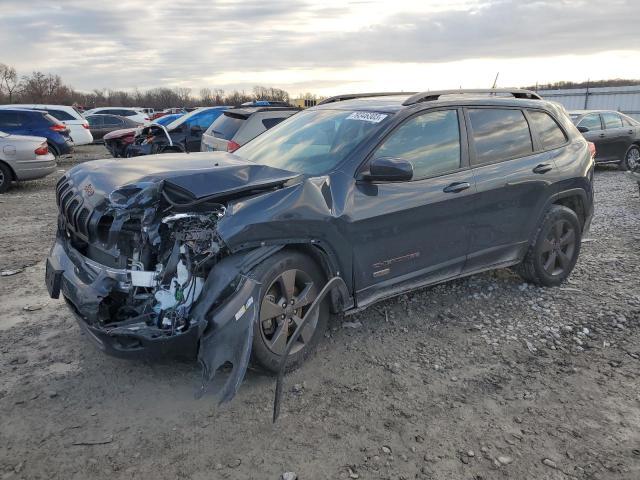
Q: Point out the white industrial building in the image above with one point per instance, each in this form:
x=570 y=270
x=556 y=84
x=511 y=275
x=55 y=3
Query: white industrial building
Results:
x=622 y=99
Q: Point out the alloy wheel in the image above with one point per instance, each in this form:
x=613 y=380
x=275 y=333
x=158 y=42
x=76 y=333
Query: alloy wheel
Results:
x=633 y=158
x=282 y=309
x=558 y=248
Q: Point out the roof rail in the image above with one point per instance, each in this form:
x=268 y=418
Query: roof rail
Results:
x=352 y=96
x=436 y=94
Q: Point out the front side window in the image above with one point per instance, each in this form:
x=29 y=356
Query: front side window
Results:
x=314 y=141
x=611 y=120
x=203 y=119
x=112 y=121
x=549 y=133
x=431 y=142
x=499 y=134
x=591 y=121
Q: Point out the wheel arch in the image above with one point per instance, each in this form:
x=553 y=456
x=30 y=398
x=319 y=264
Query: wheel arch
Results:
x=574 y=199
x=14 y=177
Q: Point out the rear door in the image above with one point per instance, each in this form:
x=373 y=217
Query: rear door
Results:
x=514 y=177
x=597 y=135
x=407 y=233
x=619 y=137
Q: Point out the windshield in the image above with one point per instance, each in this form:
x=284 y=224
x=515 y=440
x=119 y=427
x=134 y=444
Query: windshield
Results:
x=312 y=142
x=205 y=117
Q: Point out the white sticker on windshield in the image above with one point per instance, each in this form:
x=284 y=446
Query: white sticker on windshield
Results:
x=372 y=117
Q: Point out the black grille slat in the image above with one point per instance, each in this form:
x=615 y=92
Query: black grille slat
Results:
x=82 y=220
x=65 y=200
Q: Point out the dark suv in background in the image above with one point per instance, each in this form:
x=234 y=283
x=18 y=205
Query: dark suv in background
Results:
x=231 y=256
x=615 y=135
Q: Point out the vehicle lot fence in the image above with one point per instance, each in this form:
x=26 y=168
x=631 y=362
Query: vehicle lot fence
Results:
x=623 y=99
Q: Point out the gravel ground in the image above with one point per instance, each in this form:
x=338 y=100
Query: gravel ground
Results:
x=481 y=378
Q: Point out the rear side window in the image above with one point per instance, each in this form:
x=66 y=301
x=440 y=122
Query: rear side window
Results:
x=10 y=119
x=111 y=121
x=60 y=114
x=226 y=126
x=203 y=119
x=499 y=134
x=95 y=121
x=431 y=142
x=592 y=122
x=125 y=113
x=611 y=120
x=549 y=133
x=271 y=122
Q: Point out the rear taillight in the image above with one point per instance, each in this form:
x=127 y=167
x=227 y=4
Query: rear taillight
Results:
x=86 y=125
x=42 y=149
x=58 y=127
x=232 y=146
x=592 y=149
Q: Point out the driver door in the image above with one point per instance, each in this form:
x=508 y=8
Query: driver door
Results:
x=405 y=234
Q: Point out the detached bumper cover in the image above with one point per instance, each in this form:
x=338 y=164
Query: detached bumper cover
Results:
x=221 y=327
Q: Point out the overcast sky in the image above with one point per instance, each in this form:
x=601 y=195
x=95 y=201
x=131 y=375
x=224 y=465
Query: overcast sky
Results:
x=325 y=47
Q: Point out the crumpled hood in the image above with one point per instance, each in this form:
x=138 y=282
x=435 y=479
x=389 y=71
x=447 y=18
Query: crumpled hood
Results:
x=194 y=175
x=120 y=133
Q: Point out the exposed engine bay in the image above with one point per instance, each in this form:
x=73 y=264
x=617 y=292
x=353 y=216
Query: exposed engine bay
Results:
x=167 y=280
x=152 y=139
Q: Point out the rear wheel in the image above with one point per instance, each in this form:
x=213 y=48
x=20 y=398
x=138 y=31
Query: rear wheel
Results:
x=53 y=149
x=292 y=282
x=631 y=158
x=6 y=176
x=551 y=258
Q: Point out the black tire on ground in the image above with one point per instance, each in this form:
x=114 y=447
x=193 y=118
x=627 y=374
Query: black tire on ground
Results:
x=301 y=276
x=6 y=176
x=53 y=150
x=631 y=158
x=551 y=258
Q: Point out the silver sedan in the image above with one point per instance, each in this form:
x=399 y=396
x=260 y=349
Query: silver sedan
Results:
x=23 y=158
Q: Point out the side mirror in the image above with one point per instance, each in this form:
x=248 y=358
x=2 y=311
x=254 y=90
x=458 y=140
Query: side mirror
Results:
x=196 y=130
x=387 y=169
x=582 y=129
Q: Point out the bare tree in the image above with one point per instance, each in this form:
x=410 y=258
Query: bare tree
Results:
x=9 y=82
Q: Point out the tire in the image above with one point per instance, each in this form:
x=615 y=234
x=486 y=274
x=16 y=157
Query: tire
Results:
x=552 y=256
x=6 y=176
x=269 y=332
x=53 y=150
x=631 y=159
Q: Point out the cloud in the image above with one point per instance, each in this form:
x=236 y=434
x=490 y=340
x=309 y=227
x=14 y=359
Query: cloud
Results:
x=137 y=43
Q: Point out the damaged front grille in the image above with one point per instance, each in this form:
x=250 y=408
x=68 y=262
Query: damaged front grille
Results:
x=71 y=206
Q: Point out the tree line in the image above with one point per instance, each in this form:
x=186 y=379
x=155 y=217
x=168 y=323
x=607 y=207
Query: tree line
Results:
x=39 y=87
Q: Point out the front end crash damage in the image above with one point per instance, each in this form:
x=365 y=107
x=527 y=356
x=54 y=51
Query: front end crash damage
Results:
x=150 y=140
x=146 y=273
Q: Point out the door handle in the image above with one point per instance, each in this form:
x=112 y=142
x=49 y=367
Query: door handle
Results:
x=630 y=132
x=542 y=168
x=456 y=187
x=601 y=135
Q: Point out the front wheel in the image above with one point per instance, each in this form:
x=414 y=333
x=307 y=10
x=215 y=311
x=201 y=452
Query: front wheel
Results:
x=291 y=283
x=631 y=159
x=551 y=258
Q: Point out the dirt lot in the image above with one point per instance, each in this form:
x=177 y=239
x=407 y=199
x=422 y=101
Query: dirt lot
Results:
x=482 y=378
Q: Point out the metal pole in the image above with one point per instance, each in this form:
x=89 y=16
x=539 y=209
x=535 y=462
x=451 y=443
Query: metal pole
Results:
x=586 y=96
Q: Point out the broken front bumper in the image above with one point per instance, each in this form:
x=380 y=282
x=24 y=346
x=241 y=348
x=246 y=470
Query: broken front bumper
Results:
x=84 y=284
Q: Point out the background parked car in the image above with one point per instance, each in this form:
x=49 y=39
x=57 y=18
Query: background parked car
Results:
x=183 y=134
x=134 y=114
x=20 y=121
x=616 y=136
x=117 y=141
x=23 y=158
x=78 y=126
x=239 y=125
x=101 y=124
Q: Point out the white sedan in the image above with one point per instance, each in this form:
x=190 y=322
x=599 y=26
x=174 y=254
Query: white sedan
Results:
x=23 y=158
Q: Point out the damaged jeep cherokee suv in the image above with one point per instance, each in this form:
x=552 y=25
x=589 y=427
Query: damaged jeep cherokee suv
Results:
x=227 y=257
